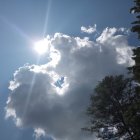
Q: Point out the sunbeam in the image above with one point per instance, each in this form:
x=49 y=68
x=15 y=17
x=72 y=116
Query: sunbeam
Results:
x=47 y=17
x=29 y=96
x=15 y=28
x=41 y=46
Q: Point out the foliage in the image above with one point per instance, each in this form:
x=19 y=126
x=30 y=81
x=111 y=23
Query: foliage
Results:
x=136 y=28
x=135 y=70
x=136 y=10
x=113 y=105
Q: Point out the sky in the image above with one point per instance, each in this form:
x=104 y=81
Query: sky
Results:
x=53 y=53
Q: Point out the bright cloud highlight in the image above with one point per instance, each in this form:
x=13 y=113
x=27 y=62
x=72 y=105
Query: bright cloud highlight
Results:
x=90 y=29
x=41 y=47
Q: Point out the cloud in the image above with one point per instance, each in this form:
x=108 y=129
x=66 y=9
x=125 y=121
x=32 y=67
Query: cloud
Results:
x=89 y=30
x=52 y=98
x=38 y=133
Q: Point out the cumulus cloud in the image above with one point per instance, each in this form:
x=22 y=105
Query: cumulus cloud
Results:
x=89 y=30
x=52 y=98
x=38 y=133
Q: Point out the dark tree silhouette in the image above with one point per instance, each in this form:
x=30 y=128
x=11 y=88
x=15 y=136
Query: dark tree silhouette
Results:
x=135 y=70
x=136 y=10
x=111 y=107
x=136 y=28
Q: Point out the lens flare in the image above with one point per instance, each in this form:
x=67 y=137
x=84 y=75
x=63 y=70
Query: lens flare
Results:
x=41 y=47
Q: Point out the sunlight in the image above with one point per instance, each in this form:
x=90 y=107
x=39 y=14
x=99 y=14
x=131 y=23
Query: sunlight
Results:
x=61 y=90
x=55 y=57
x=41 y=47
x=60 y=83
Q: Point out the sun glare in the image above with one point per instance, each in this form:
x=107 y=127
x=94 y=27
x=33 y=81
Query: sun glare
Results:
x=41 y=47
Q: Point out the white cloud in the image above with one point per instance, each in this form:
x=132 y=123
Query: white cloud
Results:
x=107 y=34
x=38 y=133
x=124 y=56
x=53 y=98
x=90 y=29
x=113 y=35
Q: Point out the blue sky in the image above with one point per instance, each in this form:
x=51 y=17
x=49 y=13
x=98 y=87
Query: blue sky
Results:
x=29 y=18
x=23 y=22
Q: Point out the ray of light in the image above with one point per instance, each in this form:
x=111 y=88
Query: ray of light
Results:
x=29 y=96
x=41 y=46
x=23 y=34
x=15 y=28
x=38 y=60
x=48 y=7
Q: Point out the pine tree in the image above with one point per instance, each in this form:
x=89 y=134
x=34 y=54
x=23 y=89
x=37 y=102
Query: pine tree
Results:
x=136 y=28
x=136 y=10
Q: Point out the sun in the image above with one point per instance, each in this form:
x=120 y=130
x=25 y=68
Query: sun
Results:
x=41 y=47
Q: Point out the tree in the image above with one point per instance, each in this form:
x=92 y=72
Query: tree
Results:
x=110 y=107
x=136 y=28
x=135 y=70
x=135 y=107
x=136 y=10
